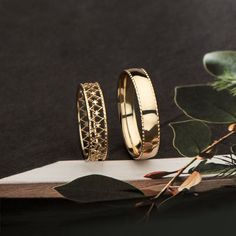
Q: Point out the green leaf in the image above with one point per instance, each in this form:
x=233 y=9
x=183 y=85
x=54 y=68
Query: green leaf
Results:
x=212 y=168
x=190 y=137
x=98 y=188
x=202 y=102
x=222 y=65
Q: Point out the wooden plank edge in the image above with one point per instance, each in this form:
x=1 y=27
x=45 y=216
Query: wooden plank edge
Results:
x=149 y=187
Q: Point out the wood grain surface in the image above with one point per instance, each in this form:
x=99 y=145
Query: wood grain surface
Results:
x=40 y=182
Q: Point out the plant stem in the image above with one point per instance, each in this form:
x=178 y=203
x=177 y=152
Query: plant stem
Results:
x=180 y=171
x=220 y=140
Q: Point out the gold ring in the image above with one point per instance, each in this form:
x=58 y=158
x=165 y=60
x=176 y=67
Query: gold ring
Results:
x=92 y=122
x=135 y=87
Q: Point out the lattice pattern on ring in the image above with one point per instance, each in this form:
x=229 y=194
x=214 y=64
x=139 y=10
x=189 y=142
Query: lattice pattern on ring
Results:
x=92 y=121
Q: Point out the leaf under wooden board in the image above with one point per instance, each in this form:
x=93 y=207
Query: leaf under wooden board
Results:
x=98 y=188
x=203 y=102
x=190 y=137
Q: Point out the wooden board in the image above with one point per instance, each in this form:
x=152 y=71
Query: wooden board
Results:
x=39 y=183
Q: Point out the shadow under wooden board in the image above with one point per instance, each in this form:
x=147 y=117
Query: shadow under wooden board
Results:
x=40 y=182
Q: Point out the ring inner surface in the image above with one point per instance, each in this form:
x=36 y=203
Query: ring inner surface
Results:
x=129 y=123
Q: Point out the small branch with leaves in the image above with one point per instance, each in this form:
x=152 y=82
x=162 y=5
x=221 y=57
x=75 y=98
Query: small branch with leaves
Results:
x=203 y=104
x=192 y=180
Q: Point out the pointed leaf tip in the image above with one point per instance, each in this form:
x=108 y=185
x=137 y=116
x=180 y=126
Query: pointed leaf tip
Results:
x=158 y=174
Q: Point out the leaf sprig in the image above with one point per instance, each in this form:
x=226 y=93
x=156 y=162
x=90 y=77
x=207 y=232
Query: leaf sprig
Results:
x=222 y=65
x=204 y=104
x=156 y=200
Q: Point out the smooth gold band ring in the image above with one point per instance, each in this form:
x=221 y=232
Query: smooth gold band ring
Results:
x=92 y=122
x=135 y=86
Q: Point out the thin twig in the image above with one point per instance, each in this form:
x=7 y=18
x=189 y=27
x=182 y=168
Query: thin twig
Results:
x=180 y=171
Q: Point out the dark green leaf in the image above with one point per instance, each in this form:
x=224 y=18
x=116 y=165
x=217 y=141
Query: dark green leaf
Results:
x=222 y=65
x=98 y=188
x=190 y=137
x=210 y=168
x=204 y=103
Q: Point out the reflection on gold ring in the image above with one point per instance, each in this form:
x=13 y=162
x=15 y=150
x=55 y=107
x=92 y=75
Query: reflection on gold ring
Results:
x=135 y=84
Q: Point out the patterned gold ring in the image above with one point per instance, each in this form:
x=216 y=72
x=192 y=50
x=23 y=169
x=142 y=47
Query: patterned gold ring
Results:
x=142 y=138
x=92 y=122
